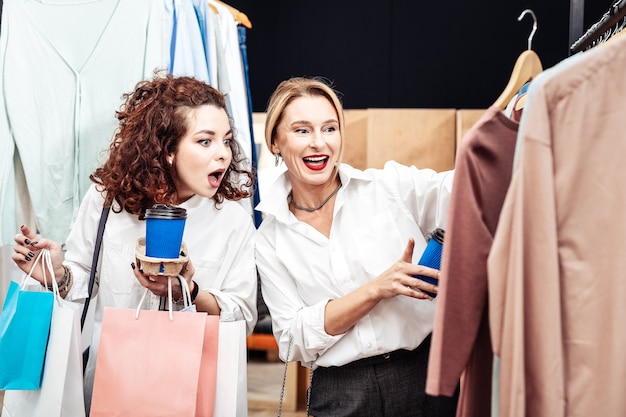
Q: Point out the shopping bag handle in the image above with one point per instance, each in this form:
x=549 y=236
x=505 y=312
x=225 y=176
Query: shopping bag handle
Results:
x=32 y=268
x=184 y=287
x=47 y=262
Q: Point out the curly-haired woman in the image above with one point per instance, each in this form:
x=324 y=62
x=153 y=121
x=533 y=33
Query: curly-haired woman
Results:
x=175 y=145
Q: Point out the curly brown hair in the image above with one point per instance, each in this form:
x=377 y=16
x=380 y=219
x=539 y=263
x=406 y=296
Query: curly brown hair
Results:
x=152 y=120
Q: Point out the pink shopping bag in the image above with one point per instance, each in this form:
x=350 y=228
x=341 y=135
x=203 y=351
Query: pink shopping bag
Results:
x=149 y=366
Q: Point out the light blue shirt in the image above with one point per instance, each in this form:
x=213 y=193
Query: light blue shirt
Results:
x=188 y=53
x=65 y=68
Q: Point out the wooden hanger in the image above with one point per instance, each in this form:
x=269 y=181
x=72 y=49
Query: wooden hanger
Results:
x=527 y=67
x=239 y=16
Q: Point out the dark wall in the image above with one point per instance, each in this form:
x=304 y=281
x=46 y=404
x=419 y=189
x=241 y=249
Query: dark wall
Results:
x=402 y=53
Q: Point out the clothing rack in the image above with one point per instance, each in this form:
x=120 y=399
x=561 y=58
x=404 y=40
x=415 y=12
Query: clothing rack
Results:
x=602 y=30
x=576 y=19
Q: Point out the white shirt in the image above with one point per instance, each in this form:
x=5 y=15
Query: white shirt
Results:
x=231 y=81
x=376 y=212
x=220 y=244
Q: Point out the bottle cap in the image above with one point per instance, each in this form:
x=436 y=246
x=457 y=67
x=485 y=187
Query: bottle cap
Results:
x=438 y=235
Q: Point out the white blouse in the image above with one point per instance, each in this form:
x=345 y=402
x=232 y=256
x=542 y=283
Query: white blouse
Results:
x=376 y=211
x=220 y=243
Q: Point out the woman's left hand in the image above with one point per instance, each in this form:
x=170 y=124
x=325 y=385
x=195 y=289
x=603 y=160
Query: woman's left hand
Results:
x=157 y=284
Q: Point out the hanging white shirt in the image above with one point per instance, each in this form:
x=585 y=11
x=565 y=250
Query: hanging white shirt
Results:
x=231 y=80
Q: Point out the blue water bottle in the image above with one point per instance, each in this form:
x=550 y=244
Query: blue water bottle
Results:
x=432 y=257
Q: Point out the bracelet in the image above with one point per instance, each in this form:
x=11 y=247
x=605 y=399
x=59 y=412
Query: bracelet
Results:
x=70 y=280
x=61 y=284
x=195 y=291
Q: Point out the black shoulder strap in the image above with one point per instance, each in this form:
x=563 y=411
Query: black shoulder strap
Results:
x=94 y=261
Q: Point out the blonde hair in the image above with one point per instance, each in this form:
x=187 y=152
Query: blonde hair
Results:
x=294 y=88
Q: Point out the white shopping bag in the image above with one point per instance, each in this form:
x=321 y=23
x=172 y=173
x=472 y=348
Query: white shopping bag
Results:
x=61 y=392
x=231 y=396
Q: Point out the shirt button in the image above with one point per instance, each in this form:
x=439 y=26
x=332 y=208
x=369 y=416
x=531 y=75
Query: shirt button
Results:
x=369 y=345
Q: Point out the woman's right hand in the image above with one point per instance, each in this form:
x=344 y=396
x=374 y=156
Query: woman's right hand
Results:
x=342 y=313
x=157 y=284
x=399 y=278
x=27 y=248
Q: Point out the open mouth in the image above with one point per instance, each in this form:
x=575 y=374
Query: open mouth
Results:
x=316 y=163
x=215 y=178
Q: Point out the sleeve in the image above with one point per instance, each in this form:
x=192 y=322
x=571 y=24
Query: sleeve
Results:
x=299 y=329
x=236 y=291
x=423 y=192
x=523 y=271
x=463 y=284
x=8 y=222
x=81 y=242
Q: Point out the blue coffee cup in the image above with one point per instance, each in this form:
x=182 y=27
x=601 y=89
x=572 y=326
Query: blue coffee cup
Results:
x=164 y=231
x=431 y=257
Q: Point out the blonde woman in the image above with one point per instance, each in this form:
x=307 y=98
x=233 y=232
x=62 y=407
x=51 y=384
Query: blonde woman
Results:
x=337 y=252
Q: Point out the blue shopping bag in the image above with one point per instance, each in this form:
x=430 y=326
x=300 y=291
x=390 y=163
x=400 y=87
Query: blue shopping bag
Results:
x=24 y=329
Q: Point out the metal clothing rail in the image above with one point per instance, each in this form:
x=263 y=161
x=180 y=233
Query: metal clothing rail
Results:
x=576 y=19
x=602 y=30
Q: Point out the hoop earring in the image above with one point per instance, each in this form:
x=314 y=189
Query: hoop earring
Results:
x=277 y=159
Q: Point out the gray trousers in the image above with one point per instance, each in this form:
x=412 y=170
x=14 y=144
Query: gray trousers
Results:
x=390 y=385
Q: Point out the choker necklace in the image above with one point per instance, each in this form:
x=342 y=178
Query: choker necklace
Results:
x=312 y=209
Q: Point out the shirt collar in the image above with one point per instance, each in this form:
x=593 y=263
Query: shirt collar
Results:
x=274 y=202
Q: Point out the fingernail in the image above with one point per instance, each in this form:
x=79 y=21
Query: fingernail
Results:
x=27 y=241
x=33 y=243
x=141 y=270
x=132 y=265
x=28 y=259
x=31 y=254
